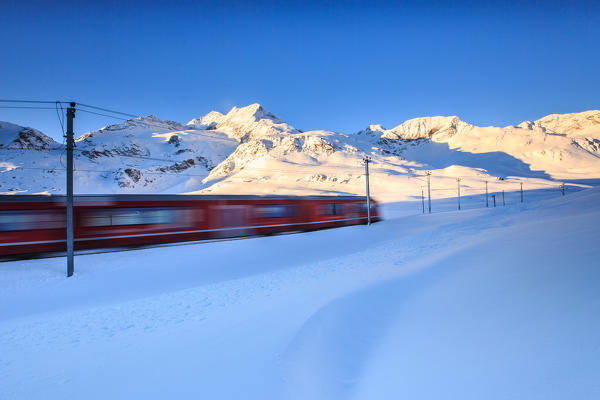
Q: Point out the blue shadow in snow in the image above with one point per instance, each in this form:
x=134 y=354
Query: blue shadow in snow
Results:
x=497 y=163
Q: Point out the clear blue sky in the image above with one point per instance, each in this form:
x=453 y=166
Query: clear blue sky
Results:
x=324 y=65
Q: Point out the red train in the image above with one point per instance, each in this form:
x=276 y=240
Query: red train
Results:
x=36 y=223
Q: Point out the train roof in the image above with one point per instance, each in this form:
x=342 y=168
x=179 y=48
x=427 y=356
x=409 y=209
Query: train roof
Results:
x=162 y=197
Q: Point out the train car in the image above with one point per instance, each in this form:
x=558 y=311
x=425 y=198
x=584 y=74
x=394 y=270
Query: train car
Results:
x=37 y=223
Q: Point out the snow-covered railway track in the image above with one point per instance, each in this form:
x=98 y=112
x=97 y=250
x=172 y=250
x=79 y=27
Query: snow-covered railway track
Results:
x=57 y=254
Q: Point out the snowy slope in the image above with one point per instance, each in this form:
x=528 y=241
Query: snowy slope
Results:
x=148 y=155
x=478 y=304
x=583 y=124
x=583 y=128
x=142 y=155
x=552 y=145
x=29 y=161
x=250 y=150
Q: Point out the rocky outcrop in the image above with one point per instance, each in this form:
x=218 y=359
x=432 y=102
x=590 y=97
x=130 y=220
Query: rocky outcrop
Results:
x=19 y=137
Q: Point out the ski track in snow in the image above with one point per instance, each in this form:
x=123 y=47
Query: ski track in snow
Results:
x=411 y=306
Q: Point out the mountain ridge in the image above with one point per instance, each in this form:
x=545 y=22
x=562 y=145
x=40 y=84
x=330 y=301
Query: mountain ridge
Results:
x=249 y=149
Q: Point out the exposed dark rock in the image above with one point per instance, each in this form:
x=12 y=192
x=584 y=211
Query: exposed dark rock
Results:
x=174 y=140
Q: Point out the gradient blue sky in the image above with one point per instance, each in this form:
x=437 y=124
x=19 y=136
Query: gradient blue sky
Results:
x=319 y=65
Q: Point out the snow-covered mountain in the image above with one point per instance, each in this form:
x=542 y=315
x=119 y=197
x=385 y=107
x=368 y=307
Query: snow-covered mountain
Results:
x=252 y=120
x=148 y=155
x=250 y=150
x=15 y=137
x=552 y=144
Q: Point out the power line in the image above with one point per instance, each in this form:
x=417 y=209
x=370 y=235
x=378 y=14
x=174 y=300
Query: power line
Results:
x=104 y=115
x=29 y=107
x=32 y=101
x=60 y=119
x=9 y=169
x=143 y=172
x=146 y=123
x=149 y=124
x=130 y=156
x=107 y=110
x=111 y=155
x=61 y=170
x=136 y=116
x=155 y=172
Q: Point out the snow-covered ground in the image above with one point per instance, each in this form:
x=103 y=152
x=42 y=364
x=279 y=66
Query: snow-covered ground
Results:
x=498 y=303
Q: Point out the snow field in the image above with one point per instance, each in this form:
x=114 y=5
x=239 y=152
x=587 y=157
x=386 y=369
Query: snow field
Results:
x=482 y=303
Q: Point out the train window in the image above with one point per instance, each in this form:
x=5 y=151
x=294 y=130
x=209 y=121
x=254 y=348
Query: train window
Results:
x=276 y=211
x=331 y=209
x=131 y=216
x=25 y=220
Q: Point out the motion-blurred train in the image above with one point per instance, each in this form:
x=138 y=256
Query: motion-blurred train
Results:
x=37 y=224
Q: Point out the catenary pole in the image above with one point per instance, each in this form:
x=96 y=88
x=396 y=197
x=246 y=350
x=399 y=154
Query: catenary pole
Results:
x=521 y=192
x=423 y=200
x=429 y=191
x=458 y=183
x=368 y=195
x=503 y=203
x=70 y=224
x=487 y=203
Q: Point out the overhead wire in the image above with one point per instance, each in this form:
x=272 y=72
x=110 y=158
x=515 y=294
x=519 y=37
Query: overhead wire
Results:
x=155 y=172
x=105 y=115
x=82 y=107
x=129 y=156
x=149 y=124
x=30 y=101
x=112 y=155
x=107 y=110
x=28 y=107
x=61 y=118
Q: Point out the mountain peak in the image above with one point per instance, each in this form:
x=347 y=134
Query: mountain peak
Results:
x=136 y=125
x=425 y=127
x=586 y=123
x=252 y=112
x=419 y=128
x=144 y=122
x=14 y=136
x=254 y=107
x=253 y=119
